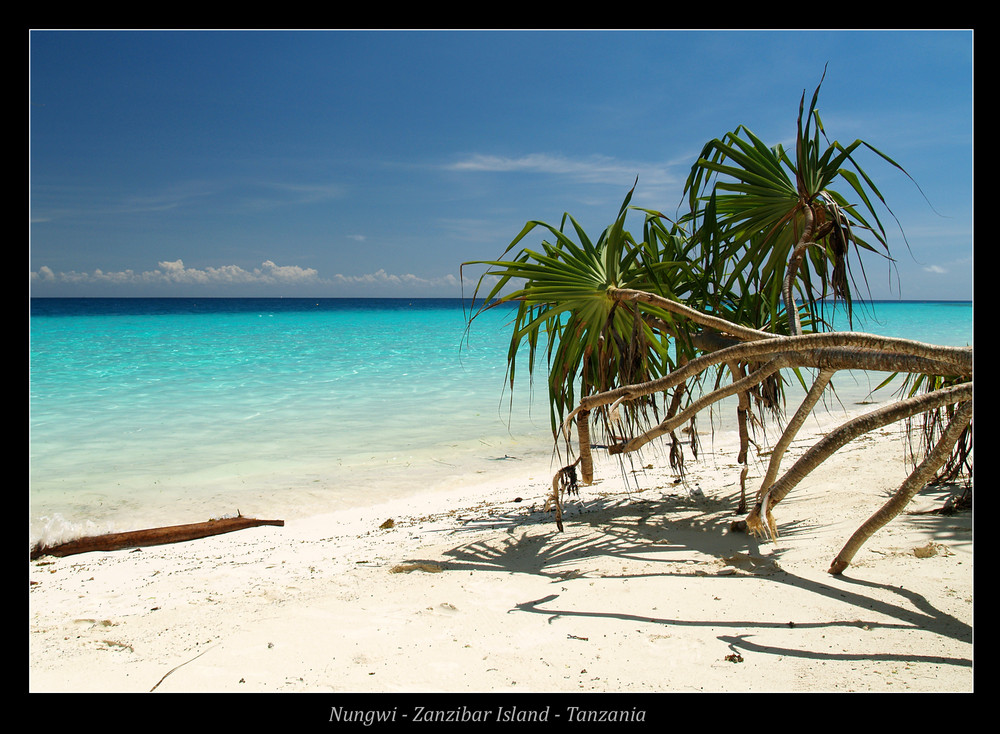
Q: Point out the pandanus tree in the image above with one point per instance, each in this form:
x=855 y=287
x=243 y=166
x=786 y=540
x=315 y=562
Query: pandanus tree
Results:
x=728 y=300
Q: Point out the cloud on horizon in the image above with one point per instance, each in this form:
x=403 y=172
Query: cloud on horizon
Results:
x=175 y=273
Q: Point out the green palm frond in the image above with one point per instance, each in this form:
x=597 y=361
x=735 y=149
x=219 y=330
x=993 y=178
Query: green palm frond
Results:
x=590 y=342
x=753 y=206
x=769 y=235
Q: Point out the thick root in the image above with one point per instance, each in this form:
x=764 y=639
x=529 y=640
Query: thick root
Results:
x=760 y=522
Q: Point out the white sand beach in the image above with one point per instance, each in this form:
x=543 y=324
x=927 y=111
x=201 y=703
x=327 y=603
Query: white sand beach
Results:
x=647 y=590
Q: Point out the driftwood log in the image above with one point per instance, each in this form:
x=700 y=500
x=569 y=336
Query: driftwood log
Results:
x=151 y=536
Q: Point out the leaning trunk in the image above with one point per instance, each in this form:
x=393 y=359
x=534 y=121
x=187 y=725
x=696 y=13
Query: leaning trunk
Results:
x=913 y=484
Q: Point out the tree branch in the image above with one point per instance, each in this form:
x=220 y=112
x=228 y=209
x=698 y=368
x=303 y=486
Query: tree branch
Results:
x=152 y=536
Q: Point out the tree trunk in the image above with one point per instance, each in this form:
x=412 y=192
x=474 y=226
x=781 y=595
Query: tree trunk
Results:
x=913 y=484
x=754 y=521
x=884 y=416
x=754 y=378
x=152 y=536
x=794 y=262
x=712 y=322
x=742 y=411
x=823 y=350
x=586 y=459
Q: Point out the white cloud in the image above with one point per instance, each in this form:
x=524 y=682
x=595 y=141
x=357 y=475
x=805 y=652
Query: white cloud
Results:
x=380 y=277
x=174 y=274
x=278 y=194
x=935 y=269
x=592 y=169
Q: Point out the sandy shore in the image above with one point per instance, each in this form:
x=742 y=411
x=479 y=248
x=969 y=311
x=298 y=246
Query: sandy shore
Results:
x=646 y=591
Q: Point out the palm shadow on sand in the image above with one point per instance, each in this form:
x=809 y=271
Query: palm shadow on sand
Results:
x=673 y=535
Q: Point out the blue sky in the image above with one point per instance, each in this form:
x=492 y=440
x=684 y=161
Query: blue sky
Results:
x=335 y=163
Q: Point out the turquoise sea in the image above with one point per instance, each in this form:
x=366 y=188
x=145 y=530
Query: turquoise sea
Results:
x=160 y=411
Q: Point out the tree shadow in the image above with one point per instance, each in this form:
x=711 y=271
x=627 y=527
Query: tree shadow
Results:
x=605 y=527
x=668 y=528
x=674 y=535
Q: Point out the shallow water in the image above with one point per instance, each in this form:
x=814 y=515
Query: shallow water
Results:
x=155 y=411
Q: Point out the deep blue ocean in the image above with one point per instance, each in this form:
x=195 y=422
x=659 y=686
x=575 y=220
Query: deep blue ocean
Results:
x=160 y=411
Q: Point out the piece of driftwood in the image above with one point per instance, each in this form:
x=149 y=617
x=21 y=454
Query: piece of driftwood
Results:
x=151 y=536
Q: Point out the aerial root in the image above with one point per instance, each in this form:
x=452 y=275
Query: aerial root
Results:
x=754 y=524
x=760 y=522
x=564 y=481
